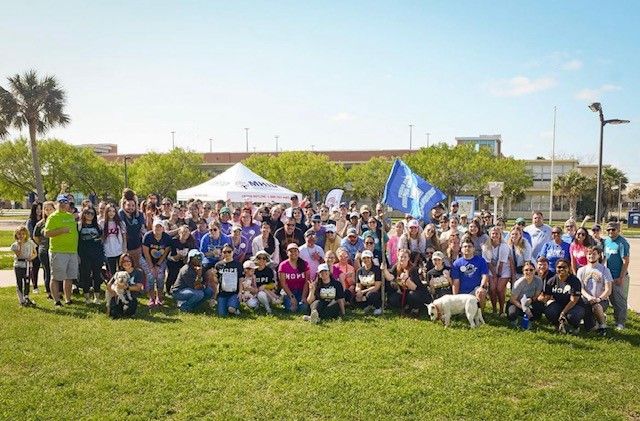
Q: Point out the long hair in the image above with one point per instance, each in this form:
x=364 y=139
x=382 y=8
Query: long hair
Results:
x=520 y=244
x=116 y=219
x=33 y=215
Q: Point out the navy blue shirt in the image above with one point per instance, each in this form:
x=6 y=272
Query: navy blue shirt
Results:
x=134 y=229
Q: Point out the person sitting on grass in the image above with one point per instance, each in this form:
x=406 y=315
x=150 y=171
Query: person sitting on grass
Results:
x=405 y=287
x=115 y=307
x=190 y=288
x=326 y=297
x=228 y=274
x=293 y=278
x=597 y=284
x=562 y=294
x=368 y=284
x=529 y=286
x=25 y=251
x=266 y=281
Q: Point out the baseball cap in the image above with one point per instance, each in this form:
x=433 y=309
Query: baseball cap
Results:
x=236 y=228
x=413 y=223
x=330 y=228
x=309 y=233
x=225 y=210
x=364 y=208
x=520 y=221
x=596 y=227
x=62 y=198
x=316 y=218
x=343 y=204
x=249 y=264
x=352 y=231
x=437 y=255
x=194 y=253
x=323 y=266
x=455 y=203
x=294 y=197
x=354 y=215
x=157 y=222
x=613 y=225
x=292 y=246
x=367 y=253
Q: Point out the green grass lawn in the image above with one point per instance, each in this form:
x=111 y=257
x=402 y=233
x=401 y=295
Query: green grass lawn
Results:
x=6 y=238
x=75 y=363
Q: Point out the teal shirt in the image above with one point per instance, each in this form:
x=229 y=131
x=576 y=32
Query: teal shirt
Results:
x=615 y=251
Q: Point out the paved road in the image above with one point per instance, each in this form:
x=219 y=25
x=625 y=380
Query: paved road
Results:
x=7 y=277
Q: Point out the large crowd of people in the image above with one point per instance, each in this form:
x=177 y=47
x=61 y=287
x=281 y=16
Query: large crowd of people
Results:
x=318 y=261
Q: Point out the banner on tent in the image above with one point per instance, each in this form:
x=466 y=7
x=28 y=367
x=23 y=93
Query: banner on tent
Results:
x=333 y=198
x=407 y=192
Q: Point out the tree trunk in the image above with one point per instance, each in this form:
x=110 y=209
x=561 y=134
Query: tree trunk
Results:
x=33 y=145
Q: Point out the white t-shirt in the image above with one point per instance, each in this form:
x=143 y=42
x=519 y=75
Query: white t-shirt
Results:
x=113 y=242
x=306 y=253
x=498 y=255
x=594 y=278
x=26 y=251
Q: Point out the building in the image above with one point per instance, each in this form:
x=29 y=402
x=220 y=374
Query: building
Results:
x=102 y=148
x=493 y=142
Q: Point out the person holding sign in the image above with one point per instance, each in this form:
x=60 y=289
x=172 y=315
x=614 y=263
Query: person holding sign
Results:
x=229 y=274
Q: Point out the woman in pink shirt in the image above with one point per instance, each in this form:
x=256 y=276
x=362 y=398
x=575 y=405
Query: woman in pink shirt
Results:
x=578 y=249
x=392 y=244
x=293 y=277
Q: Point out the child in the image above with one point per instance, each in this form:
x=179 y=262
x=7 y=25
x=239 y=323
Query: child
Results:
x=249 y=289
x=25 y=251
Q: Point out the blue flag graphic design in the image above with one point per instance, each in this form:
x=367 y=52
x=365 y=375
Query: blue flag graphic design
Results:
x=407 y=192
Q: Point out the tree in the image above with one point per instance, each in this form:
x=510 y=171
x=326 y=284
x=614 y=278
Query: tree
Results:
x=612 y=180
x=37 y=104
x=572 y=186
x=166 y=173
x=369 y=178
x=80 y=168
x=301 y=172
x=634 y=196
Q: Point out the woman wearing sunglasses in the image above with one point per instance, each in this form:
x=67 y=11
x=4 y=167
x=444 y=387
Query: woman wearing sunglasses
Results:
x=562 y=294
x=529 y=286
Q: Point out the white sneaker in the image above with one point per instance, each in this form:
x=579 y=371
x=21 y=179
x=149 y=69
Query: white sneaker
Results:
x=96 y=300
x=315 y=316
x=306 y=318
x=619 y=326
x=35 y=291
x=377 y=312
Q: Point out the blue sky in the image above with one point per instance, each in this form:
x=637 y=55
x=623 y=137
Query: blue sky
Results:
x=336 y=75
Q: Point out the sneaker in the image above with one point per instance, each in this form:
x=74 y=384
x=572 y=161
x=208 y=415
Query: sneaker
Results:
x=152 y=303
x=212 y=302
x=619 y=326
x=602 y=331
x=87 y=300
x=28 y=301
x=35 y=291
x=306 y=318
x=377 y=312
x=49 y=297
x=561 y=327
x=159 y=303
x=58 y=304
x=368 y=309
x=96 y=299
x=315 y=316
x=68 y=302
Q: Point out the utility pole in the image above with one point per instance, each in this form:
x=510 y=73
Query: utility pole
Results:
x=410 y=136
x=428 y=134
x=246 y=137
x=210 y=145
x=553 y=161
x=277 y=137
x=173 y=140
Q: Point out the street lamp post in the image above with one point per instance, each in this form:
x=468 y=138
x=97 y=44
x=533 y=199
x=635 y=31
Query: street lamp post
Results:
x=246 y=138
x=210 y=144
x=410 y=136
x=596 y=107
x=173 y=140
x=126 y=174
x=428 y=134
x=277 y=137
x=620 y=200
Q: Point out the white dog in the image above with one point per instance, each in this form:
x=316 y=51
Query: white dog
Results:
x=446 y=306
x=119 y=287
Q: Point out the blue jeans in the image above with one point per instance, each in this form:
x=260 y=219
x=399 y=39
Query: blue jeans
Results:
x=302 y=307
x=226 y=301
x=192 y=298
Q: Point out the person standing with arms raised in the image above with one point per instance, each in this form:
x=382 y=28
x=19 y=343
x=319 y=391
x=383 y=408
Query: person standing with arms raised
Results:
x=62 y=230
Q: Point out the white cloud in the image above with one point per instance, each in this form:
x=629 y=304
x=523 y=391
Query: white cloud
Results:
x=572 y=65
x=343 y=117
x=519 y=85
x=588 y=94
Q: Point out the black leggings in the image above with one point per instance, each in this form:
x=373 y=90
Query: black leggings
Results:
x=35 y=268
x=172 y=274
x=112 y=264
x=22 y=282
x=325 y=310
x=537 y=308
x=90 y=273
x=553 y=310
x=414 y=299
x=46 y=268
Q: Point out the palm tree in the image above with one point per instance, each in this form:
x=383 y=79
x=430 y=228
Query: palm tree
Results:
x=571 y=185
x=634 y=196
x=37 y=104
x=612 y=180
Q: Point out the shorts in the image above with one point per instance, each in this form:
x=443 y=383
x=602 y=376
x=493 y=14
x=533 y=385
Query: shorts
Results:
x=63 y=266
x=152 y=281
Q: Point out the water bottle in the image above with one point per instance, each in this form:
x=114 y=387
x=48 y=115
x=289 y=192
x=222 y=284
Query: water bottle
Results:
x=524 y=323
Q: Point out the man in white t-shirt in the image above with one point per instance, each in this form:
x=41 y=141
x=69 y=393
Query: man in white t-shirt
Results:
x=311 y=253
x=540 y=233
x=597 y=284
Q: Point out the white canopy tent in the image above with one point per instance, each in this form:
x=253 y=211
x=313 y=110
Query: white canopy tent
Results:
x=238 y=184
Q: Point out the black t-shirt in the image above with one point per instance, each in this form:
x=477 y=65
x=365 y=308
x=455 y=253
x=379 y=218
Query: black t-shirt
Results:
x=90 y=241
x=229 y=275
x=156 y=247
x=284 y=240
x=437 y=279
x=134 y=228
x=562 y=291
x=368 y=278
x=265 y=278
x=413 y=275
x=183 y=248
x=330 y=291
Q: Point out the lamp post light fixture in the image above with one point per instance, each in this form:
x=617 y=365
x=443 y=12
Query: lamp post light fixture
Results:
x=596 y=107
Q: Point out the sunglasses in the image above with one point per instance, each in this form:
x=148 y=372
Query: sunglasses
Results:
x=213 y=229
x=261 y=258
x=226 y=251
x=555 y=232
x=611 y=229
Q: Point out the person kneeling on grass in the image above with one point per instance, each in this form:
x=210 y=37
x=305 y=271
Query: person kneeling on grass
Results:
x=229 y=274
x=597 y=284
x=525 y=294
x=326 y=296
x=115 y=307
x=562 y=293
x=190 y=289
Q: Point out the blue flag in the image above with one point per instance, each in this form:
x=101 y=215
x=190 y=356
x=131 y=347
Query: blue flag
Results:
x=410 y=193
